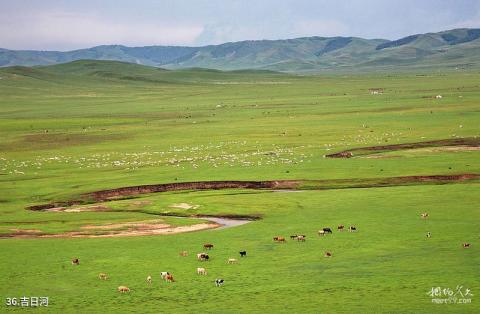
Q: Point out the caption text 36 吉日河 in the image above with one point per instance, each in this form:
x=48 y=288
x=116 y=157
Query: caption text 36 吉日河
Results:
x=27 y=301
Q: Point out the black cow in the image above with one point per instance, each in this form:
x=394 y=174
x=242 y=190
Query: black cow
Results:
x=327 y=230
x=243 y=253
x=219 y=282
x=352 y=229
x=75 y=261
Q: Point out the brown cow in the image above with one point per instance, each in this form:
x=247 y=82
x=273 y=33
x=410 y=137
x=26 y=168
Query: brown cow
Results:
x=279 y=239
x=75 y=261
x=208 y=246
x=169 y=278
x=184 y=253
x=466 y=245
x=328 y=254
x=340 y=227
x=123 y=289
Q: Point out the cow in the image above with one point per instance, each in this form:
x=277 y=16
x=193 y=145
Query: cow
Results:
x=149 y=279
x=301 y=238
x=219 y=282
x=321 y=232
x=243 y=253
x=327 y=230
x=183 y=253
x=328 y=254
x=201 y=271
x=123 y=289
x=340 y=227
x=232 y=261
x=424 y=215
x=169 y=278
x=279 y=239
x=102 y=276
x=203 y=257
x=429 y=235
x=466 y=245
x=208 y=246
x=164 y=274
x=352 y=228
x=75 y=261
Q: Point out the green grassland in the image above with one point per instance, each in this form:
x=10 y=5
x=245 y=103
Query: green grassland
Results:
x=92 y=125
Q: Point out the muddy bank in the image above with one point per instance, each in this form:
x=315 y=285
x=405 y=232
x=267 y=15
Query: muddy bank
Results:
x=465 y=142
x=202 y=185
x=112 y=194
x=286 y=185
x=131 y=229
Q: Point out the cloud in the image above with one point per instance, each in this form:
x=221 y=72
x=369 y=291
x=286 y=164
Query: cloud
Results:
x=324 y=27
x=217 y=33
x=53 y=29
x=473 y=22
x=66 y=25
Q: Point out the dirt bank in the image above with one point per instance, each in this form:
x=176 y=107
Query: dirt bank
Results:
x=466 y=143
x=131 y=229
x=287 y=185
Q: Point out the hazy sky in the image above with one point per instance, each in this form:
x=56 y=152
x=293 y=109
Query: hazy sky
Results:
x=67 y=25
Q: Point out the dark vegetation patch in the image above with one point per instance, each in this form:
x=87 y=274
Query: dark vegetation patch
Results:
x=334 y=44
x=396 y=43
x=49 y=140
x=360 y=151
x=451 y=39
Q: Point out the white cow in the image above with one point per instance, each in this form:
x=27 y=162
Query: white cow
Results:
x=201 y=271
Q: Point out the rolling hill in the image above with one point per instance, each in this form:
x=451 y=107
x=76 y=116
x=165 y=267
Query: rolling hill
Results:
x=447 y=49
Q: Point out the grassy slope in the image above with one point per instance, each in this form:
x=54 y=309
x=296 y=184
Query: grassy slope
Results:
x=251 y=126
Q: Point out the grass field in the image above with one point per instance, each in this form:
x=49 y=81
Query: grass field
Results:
x=92 y=125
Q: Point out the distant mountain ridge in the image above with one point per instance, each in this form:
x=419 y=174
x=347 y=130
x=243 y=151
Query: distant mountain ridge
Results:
x=453 y=48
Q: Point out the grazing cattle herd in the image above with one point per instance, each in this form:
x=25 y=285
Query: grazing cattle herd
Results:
x=166 y=276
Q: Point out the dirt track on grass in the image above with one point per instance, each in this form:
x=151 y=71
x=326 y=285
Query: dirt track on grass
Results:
x=460 y=144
